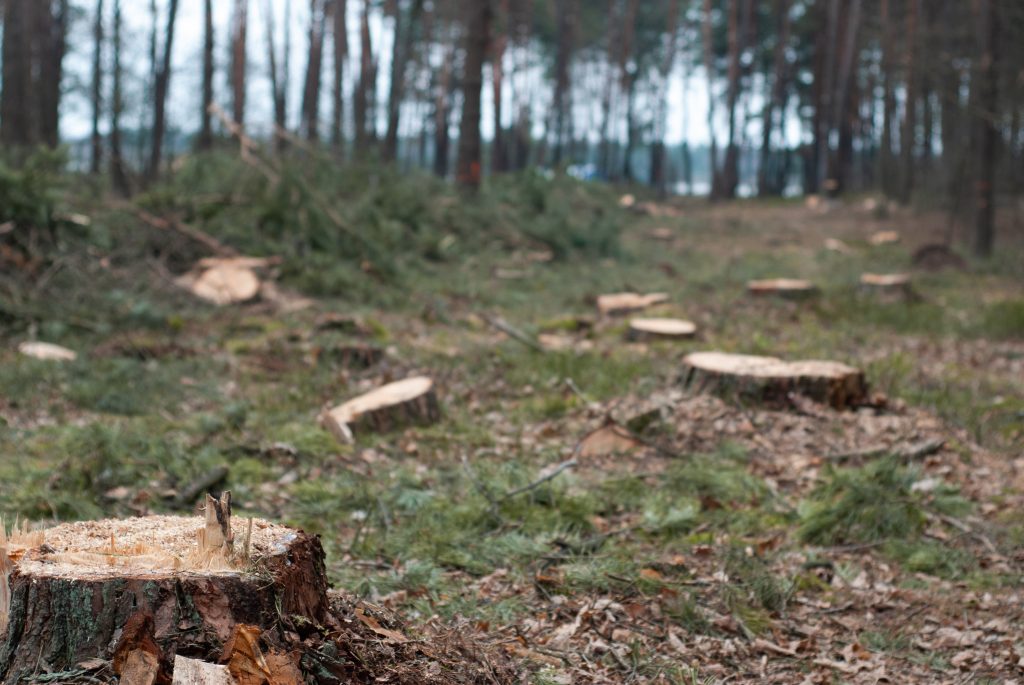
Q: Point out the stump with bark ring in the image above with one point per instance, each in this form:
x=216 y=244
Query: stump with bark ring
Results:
x=70 y=593
x=644 y=330
x=769 y=380
x=785 y=288
x=412 y=401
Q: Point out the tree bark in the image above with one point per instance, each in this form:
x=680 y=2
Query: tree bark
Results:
x=908 y=136
x=987 y=124
x=206 y=127
x=366 y=86
x=659 y=176
x=239 y=33
x=885 y=161
x=442 y=101
x=340 y=42
x=709 y=73
x=766 y=181
x=499 y=154
x=314 y=63
x=469 y=171
x=162 y=84
x=404 y=40
x=567 y=12
x=118 y=172
x=97 y=90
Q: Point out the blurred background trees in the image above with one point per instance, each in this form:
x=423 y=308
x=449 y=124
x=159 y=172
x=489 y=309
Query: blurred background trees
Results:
x=918 y=99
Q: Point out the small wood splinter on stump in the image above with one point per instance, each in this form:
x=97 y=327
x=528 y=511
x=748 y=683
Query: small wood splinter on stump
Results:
x=412 y=401
x=136 y=592
x=768 y=380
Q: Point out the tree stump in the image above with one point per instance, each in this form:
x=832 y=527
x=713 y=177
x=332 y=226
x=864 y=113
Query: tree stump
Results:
x=140 y=591
x=408 y=402
x=770 y=381
x=619 y=304
x=891 y=286
x=47 y=352
x=884 y=238
x=644 y=330
x=786 y=288
x=351 y=356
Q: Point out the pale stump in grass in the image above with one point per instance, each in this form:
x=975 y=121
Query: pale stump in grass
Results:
x=619 y=304
x=412 y=401
x=887 y=286
x=140 y=591
x=785 y=288
x=649 y=330
x=768 y=380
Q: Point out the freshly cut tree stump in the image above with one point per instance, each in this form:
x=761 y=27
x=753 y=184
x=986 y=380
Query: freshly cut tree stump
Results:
x=47 y=352
x=139 y=591
x=771 y=381
x=786 y=288
x=884 y=238
x=408 y=402
x=227 y=284
x=891 y=285
x=619 y=304
x=642 y=330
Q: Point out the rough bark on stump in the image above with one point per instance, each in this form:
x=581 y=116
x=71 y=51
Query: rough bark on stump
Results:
x=643 y=330
x=76 y=590
x=771 y=381
x=412 y=401
x=786 y=288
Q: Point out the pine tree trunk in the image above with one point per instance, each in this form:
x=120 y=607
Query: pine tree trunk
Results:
x=17 y=69
x=403 y=45
x=988 y=128
x=162 y=84
x=206 y=127
x=774 y=100
x=118 y=172
x=469 y=170
x=340 y=42
x=908 y=135
x=499 y=154
x=97 y=90
x=709 y=74
x=365 y=86
x=314 y=61
x=239 y=33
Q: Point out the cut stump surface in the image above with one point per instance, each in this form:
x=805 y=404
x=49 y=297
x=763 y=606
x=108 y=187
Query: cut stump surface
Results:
x=641 y=330
x=770 y=380
x=788 y=288
x=412 y=401
x=47 y=352
x=618 y=304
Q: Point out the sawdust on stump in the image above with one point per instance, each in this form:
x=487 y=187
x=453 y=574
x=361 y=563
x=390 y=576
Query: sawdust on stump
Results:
x=773 y=381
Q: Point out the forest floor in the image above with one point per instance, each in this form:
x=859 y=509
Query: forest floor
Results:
x=731 y=544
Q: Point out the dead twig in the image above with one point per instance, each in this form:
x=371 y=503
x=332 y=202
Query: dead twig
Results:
x=906 y=451
x=564 y=466
x=513 y=332
x=185 y=230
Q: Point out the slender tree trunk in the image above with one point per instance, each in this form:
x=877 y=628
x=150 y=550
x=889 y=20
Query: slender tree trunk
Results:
x=340 y=41
x=469 y=171
x=843 y=113
x=206 y=128
x=161 y=86
x=611 y=34
x=659 y=176
x=442 y=99
x=908 y=136
x=118 y=173
x=498 y=152
x=15 y=117
x=404 y=42
x=239 y=36
x=885 y=159
x=987 y=124
x=709 y=73
x=774 y=100
x=825 y=83
x=365 y=87
x=567 y=14
x=627 y=83
x=730 y=172
x=97 y=89
x=51 y=69
x=314 y=62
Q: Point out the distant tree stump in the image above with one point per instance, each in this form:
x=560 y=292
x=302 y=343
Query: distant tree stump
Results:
x=351 y=356
x=140 y=591
x=884 y=238
x=412 y=401
x=620 y=304
x=47 y=351
x=786 y=288
x=891 y=286
x=646 y=330
x=769 y=380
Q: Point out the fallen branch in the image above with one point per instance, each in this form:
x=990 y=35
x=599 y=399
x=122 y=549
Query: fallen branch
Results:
x=564 y=466
x=513 y=332
x=189 y=232
x=906 y=451
x=201 y=485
